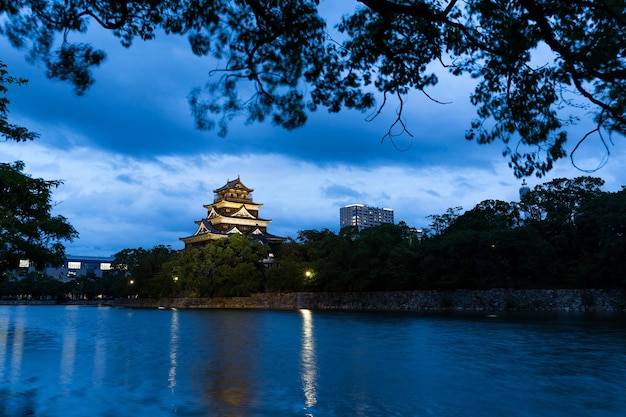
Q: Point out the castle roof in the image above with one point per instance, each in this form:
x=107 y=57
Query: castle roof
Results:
x=206 y=230
x=234 y=184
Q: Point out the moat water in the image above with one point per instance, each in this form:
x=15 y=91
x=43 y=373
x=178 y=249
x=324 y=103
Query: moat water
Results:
x=101 y=361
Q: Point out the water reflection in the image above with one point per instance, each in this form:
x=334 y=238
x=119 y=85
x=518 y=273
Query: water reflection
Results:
x=68 y=353
x=58 y=361
x=99 y=361
x=100 y=347
x=17 y=349
x=173 y=350
x=232 y=343
x=308 y=359
x=4 y=330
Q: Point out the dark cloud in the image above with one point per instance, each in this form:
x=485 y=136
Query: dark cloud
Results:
x=341 y=192
x=127 y=179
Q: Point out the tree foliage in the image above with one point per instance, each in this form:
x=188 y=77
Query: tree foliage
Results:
x=225 y=268
x=28 y=230
x=440 y=222
x=530 y=59
x=142 y=271
x=8 y=130
x=34 y=285
x=558 y=201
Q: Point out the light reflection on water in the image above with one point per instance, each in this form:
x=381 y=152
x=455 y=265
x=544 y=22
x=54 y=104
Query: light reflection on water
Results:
x=68 y=352
x=77 y=361
x=173 y=350
x=4 y=330
x=17 y=348
x=309 y=366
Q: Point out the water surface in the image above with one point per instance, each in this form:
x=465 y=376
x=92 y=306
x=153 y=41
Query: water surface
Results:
x=100 y=361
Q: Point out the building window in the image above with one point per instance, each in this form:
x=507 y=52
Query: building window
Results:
x=73 y=265
x=24 y=263
x=105 y=266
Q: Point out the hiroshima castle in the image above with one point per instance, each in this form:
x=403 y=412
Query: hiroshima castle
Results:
x=232 y=211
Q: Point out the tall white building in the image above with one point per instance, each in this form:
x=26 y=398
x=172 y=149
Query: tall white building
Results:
x=363 y=216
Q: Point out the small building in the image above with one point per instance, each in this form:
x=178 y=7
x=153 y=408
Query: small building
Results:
x=232 y=211
x=73 y=267
x=363 y=216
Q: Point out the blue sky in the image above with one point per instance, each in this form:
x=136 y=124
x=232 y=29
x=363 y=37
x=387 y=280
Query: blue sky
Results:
x=136 y=173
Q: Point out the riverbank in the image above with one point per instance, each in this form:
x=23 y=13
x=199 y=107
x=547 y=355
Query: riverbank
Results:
x=26 y=302
x=496 y=300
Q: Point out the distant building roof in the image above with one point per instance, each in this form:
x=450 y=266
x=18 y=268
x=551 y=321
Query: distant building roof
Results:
x=89 y=258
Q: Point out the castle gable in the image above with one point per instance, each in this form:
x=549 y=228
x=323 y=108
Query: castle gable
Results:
x=204 y=227
x=243 y=212
x=212 y=213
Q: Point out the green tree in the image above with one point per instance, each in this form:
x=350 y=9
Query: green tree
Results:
x=9 y=286
x=495 y=245
x=488 y=215
x=289 y=271
x=440 y=222
x=41 y=286
x=530 y=59
x=8 y=130
x=28 y=230
x=383 y=259
x=143 y=271
x=557 y=201
x=224 y=268
x=327 y=259
x=601 y=226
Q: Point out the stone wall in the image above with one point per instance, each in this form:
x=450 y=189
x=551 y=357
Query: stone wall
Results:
x=460 y=300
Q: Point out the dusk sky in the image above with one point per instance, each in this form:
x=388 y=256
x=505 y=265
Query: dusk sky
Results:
x=137 y=173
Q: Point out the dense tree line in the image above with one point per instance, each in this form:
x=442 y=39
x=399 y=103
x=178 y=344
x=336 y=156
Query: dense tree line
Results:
x=562 y=234
x=566 y=233
x=36 y=285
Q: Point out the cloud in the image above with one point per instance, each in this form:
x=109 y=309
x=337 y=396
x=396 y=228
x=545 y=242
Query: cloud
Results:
x=118 y=201
x=341 y=192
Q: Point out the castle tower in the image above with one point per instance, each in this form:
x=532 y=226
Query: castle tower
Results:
x=523 y=190
x=232 y=211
